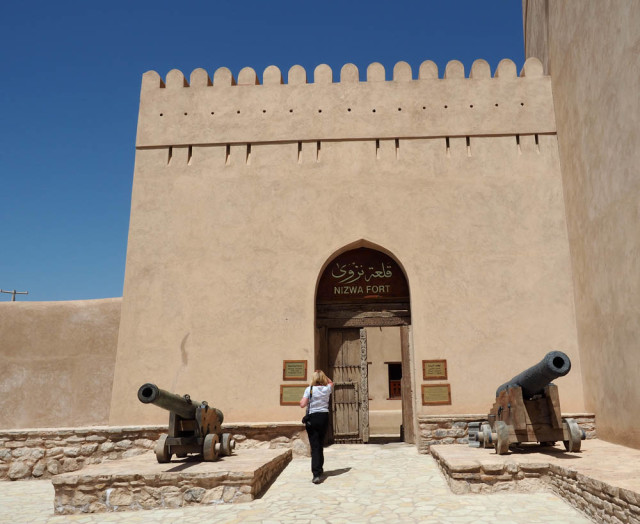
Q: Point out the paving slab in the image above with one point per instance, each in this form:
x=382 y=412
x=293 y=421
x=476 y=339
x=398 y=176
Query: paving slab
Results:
x=364 y=483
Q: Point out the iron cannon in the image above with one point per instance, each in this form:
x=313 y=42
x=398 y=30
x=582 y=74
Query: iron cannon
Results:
x=527 y=409
x=194 y=427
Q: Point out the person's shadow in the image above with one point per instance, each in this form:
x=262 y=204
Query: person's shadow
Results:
x=334 y=473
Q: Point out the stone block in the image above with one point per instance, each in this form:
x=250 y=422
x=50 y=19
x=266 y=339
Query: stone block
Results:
x=123 y=444
x=511 y=467
x=53 y=466
x=71 y=452
x=19 y=470
x=120 y=497
x=88 y=449
x=194 y=495
x=106 y=447
x=70 y=464
x=39 y=468
x=55 y=452
x=537 y=467
x=95 y=438
x=465 y=467
x=213 y=496
x=492 y=468
x=465 y=476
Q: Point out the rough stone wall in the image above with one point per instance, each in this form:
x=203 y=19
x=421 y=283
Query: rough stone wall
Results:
x=436 y=430
x=78 y=493
x=57 y=360
x=43 y=453
x=599 y=500
x=244 y=191
x=594 y=57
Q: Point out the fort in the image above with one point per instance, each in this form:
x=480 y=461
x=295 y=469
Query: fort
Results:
x=415 y=233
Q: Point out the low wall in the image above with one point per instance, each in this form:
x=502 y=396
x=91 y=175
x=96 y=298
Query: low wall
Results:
x=43 y=453
x=453 y=429
x=601 y=500
x=57 y=360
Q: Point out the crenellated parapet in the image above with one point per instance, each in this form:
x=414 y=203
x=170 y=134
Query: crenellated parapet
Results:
x=224 y=109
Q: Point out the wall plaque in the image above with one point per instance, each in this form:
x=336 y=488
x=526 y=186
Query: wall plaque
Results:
x=434 y=394
x=294 y=370
x=434 y=370
x=291 y=394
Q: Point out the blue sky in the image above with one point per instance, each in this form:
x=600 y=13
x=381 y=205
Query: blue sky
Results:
x=69 y=96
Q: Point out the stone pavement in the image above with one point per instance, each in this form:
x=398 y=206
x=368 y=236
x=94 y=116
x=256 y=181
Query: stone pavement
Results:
x=365 y=483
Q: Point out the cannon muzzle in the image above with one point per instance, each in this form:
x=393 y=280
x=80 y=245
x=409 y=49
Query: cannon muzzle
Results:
x=183 y=406
x=555 y=364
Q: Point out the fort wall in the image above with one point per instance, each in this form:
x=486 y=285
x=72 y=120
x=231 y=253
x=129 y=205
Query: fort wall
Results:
x=58 y=361
x=591 y=51
x=235 y=214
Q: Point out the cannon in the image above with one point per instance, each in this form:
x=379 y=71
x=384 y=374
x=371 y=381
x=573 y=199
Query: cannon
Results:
x=194 y=427
x=527 y=409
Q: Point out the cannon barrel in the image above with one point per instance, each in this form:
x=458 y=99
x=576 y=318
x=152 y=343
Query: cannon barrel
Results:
x=152 y=394
x=533 y=380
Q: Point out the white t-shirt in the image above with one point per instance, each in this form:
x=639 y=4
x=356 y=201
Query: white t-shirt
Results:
x=319 y=399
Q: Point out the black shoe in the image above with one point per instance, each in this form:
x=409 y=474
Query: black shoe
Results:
x=316 y=480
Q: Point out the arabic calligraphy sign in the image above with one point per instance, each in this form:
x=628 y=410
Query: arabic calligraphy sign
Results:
x=362 y=274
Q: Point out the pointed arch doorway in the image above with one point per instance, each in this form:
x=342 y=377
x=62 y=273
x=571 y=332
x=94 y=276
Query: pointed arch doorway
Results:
x=363 y=322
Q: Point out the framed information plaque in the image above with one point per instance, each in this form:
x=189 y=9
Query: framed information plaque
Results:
x=434 y=370
x=291 y=394
x=294 y=370
x=435 y=394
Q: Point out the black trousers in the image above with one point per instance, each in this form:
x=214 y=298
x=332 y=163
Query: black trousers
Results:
x=316 y=430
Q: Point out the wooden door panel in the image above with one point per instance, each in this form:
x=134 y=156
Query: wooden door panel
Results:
x=345 y=368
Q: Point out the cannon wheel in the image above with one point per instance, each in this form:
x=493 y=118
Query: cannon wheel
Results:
x=210 y=447
x=487 y=440
x=227 y=445
x=502 y=444
x=162 y=450
x=575 y=436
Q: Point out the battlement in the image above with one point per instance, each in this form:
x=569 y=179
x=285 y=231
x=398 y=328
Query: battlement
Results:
x=227 y=110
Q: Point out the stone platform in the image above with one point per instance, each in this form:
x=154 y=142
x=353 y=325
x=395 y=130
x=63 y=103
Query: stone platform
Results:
x=602 y=480
x=141 y=483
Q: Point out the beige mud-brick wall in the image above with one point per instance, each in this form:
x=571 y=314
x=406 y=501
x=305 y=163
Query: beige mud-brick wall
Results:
x=243 y=193
x=593 y=53
x=57 y=362
x=383 y=345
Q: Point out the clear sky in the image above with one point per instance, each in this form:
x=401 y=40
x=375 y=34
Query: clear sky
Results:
x=69 y=93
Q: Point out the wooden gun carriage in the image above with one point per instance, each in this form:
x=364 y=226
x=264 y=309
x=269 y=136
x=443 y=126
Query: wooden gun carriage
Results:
x=194 y=427
x=527 y=409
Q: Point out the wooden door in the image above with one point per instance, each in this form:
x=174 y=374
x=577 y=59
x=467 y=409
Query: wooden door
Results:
x=350 y=400
x=406 y=386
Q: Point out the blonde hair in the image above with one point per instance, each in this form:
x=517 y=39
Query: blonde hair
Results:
x=319 y=378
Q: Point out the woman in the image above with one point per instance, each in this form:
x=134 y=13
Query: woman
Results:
x=319 y=390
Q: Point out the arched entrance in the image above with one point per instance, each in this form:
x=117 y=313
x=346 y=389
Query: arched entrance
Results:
x=363 y=321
